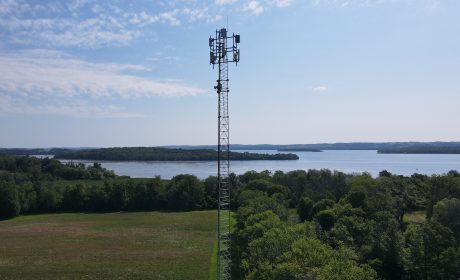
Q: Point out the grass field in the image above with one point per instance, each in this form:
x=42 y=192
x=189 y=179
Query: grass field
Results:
x=151 y=245
x=417 y=217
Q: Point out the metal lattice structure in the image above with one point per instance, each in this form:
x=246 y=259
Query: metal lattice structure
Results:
x=221 y=54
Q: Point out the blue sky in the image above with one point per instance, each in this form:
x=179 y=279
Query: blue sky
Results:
x=136 y=73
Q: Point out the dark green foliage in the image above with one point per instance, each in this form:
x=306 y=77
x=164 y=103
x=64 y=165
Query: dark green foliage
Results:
x=32 y=185
x=357 y=197
x=326 y=219
x=253 y=202
x=49 y=199
x=321 y=205
x=9 y=201
x=48 y=169
x=447 y=213
x=74 y=198
x=211 y=192
x=185 y=192
x=431 y=252
x=357 y=217
x=441 y=187
x=386 y=244
x=304 y=210
x=267 y=246
x=352 y=229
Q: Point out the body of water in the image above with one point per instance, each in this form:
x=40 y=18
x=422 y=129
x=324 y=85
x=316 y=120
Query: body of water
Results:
x=342 y=160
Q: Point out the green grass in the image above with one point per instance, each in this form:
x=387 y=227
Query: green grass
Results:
x=417 y=217
x=213 y=262
x=150 y=245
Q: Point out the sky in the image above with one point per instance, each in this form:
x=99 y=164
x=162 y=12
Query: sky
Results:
x=89 y=73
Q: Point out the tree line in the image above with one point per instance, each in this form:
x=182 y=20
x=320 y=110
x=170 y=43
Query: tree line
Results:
x=30 y=185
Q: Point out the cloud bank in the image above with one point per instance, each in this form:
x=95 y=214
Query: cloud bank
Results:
x=45 y=76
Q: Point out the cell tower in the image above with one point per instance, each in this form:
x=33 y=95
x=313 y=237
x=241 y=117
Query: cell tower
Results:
x=221 y=54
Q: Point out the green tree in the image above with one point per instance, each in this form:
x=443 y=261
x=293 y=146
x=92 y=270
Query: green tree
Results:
x=326 y=219
x=96 y=199
x=211 y=192
x=353 y=231
x=304 y=210
x=431 y=252
x=74 y=198
x=357 y=197
x=9 y=201
x=321 y=205
x=116 y=196
x=386 y=249
x=266 y=250
x=308 y=258
x=27 y=198
x=447 y=212
x=49 y=199
x=185 y=192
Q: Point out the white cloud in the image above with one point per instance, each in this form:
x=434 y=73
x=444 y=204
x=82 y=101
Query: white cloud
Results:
x=253 y=7
x=170 y=17
x=344 y=3
x=90 y=24
x=196 y=14
x=282 y=3
x=72 y=108
x=93 y=24
x=368 y=3
x=52 y=82
x=320 y=88
x=69 y=32
x=77 y=4
x=52 y=73
x=224 y=2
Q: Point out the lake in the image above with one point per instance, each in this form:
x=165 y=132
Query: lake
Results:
x=347 y=161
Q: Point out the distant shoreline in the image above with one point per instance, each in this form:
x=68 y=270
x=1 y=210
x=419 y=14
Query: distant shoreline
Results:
x=299 y=150
x=422 y=150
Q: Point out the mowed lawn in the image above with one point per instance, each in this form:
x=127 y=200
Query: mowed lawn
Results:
x=148 y=245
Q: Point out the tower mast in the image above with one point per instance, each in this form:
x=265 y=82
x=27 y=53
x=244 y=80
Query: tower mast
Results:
x=221 y=54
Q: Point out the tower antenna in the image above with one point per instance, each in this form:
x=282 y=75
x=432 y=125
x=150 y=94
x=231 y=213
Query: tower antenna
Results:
x=223 y=50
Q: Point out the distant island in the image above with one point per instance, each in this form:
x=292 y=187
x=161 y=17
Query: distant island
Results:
x=289 y=149
x=164 y=154
x=421 y=150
